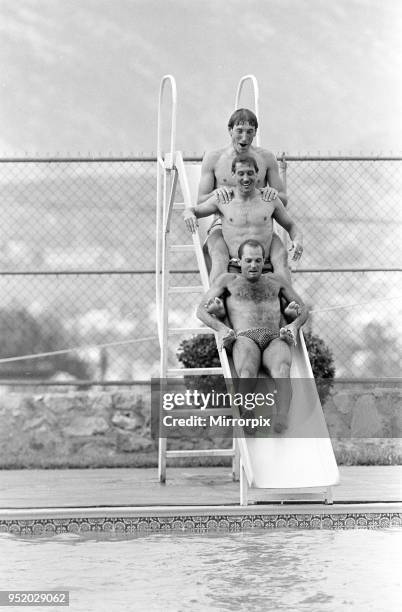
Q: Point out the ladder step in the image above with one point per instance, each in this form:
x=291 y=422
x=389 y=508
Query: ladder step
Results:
x=193 y=289
x=189 y=330
x=179 y=206
x=193 y=371
x=182 y=248
x=205 y=452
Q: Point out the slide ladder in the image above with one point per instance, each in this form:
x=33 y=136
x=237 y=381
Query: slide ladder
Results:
x=172 y=172
x=298 y=465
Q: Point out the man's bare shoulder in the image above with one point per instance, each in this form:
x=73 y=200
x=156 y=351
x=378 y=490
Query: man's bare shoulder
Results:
x=225 y=279
x=268 y=156
x=276 y=278
x=211 y=158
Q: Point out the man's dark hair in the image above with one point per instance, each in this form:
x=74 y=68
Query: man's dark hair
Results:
x=252 y=243
x=242 y=115
x=244 y=159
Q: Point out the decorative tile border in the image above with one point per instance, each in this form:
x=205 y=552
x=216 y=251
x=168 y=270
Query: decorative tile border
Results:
x=200 y=524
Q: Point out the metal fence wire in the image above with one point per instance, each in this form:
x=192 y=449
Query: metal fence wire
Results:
x=77 y=261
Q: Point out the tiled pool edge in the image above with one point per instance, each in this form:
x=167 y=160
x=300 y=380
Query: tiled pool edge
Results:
x=198 y=519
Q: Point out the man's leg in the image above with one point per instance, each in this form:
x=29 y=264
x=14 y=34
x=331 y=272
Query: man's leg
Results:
x=279 y=257
x=277 y=359
x=218 y=253
x=279 y=260
x=247 y=359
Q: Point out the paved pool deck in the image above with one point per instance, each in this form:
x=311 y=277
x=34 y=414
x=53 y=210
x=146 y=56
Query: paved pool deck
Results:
x=125 y=499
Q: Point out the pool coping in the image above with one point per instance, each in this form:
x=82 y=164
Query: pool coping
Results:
x=134 y=519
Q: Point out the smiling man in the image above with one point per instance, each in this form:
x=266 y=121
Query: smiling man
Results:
x=252 y=302
x=217 y=179
x=247 y=215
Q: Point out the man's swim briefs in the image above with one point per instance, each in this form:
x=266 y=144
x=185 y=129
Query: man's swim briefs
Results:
x=262 y=336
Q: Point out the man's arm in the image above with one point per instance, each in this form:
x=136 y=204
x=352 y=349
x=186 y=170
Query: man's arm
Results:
x=192 y=213
x=281 y=215
x=274 y=180
x=207 y=186
x=289 y=332
x=219 y=287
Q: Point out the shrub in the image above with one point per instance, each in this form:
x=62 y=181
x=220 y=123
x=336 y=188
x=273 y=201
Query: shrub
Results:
x=201 y=352
x=322 y=364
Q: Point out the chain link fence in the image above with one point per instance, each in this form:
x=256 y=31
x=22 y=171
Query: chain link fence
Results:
x=77 y=260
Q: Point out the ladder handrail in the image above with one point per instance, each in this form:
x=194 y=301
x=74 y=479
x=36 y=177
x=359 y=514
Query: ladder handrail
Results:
x=252 y=78
x=161 y=185
x=167 y=78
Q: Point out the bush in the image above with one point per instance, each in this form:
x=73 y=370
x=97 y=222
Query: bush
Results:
x=322 y=364
x=201 y=352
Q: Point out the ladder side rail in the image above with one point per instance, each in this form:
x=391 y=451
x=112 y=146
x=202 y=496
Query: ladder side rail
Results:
x=161 y=182
x=256 y=92
x=167 y=78
x=160 y=194
x=162 y=446
x=205 y=282
x=187 y=203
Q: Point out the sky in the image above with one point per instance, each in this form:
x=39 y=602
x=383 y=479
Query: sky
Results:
x=81 y=77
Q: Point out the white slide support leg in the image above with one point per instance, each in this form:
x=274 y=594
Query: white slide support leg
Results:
x=329 y=496
x=243 y=486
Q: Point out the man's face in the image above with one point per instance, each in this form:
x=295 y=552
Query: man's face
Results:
x=245 y=177
x=251 y=263
x=242 y=135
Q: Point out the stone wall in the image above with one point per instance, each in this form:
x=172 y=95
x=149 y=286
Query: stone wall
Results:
x=96 y=428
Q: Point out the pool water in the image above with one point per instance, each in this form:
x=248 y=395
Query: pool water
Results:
x=292 y=570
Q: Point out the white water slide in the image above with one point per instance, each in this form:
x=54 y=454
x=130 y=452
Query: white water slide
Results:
x=298 y=464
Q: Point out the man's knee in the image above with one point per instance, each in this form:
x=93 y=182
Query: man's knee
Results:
x=217 y=246
x=280 y=370
x=247 y=371
x=278 y=255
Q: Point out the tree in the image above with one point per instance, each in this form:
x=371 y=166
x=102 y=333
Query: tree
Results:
x=23 y=334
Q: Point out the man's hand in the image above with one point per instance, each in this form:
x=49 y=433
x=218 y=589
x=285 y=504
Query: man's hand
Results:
x=190 y=220
x=289 y=334
x=297 y=248
x=269 y=193
x=216 y=307
x=224 y=195
x=226 y=337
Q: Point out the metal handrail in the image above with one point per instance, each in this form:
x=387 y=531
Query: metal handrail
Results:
x=167 y=78
x=161 y=183
x=252 y=78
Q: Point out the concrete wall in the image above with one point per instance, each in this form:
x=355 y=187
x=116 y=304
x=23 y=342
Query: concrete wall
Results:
x=100 y=427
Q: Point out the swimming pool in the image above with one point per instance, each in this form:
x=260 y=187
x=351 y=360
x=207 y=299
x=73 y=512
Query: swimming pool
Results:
x=292 y=570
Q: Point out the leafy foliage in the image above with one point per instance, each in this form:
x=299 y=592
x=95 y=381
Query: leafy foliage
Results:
x=322 y=364
x=23 y=334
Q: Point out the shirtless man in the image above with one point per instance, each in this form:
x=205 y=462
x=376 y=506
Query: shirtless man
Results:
x=246 y=214
x=216 y=178
x=253 y=308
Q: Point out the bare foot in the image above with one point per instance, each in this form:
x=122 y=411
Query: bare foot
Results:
x=281 y=423
x=289 y=334
x=216 y=307
x=292 y=310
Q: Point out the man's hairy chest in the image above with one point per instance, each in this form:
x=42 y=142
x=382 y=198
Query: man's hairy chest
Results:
x=243 y=290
